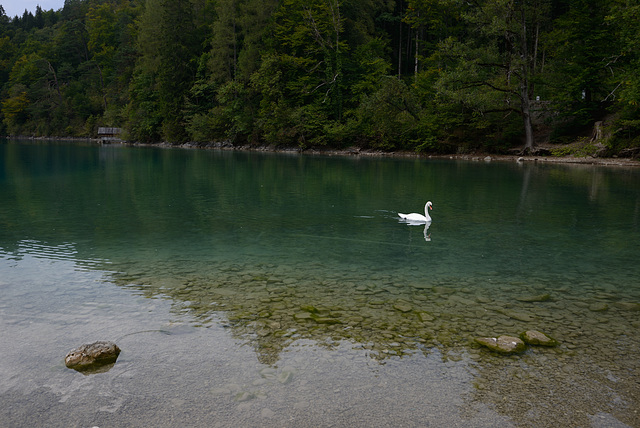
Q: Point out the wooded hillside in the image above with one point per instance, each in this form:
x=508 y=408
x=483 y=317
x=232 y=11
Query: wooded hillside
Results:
x=417 y=75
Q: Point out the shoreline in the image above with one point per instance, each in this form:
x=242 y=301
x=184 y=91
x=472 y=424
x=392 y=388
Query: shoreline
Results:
x=356 y=151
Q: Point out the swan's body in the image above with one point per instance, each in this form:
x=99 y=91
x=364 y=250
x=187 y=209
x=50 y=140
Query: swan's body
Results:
x=418 y=218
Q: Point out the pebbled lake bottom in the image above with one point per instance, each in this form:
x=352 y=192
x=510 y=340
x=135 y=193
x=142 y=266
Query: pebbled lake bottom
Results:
x=262 y=345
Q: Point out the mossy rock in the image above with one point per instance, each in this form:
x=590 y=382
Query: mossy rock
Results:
x=533 y=337
x=628 y=306
x=403 y=307
x=598 y=307
x=302 y=316
x=516 y=315
x=503 y=344
x=536 y=298
x=325 y=320
x=425 y=316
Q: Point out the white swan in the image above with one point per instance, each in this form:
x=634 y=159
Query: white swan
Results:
x=418 y=218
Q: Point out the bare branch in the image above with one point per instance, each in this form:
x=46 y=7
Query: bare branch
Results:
x=314 y=28
x=483 y=83
x=612 y=94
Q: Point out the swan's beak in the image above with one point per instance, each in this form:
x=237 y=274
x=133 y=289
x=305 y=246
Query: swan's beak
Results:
x=430 y=207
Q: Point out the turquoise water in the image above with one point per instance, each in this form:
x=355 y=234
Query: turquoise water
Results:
x=262 y=289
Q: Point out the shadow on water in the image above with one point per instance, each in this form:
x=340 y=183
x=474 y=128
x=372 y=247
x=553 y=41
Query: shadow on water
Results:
x=308 y=250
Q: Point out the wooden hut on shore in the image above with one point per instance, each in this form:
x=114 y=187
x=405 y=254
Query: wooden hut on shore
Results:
x=109 y=135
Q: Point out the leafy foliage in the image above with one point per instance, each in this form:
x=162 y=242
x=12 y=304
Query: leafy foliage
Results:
x=417 y=75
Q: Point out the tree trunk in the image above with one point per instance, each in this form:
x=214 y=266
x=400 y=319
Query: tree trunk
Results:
x=415 y=67
x=55 y=80
x=526 y=117
x=102 y=88
x=235 y=47
x=337 y=21
x=400 y=49
x=598 y=132
x=524 y=91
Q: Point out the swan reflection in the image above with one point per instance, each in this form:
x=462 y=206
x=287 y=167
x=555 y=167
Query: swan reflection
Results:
x=427 y=235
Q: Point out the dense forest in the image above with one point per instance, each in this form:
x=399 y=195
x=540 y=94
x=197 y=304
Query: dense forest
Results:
x=418 y=75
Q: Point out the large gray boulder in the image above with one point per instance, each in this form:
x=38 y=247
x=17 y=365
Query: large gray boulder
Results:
x=92 y=356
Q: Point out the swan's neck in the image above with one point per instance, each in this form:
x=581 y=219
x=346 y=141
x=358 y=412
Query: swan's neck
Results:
x=426 y=212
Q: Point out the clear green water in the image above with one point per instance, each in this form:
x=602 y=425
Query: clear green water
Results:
x=253 y=289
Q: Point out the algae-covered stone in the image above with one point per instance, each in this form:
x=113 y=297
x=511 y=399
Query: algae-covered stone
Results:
x=403 y=307
x=520 y=316
x=502 y=344
x=628 y=306
x=425 y=316
x=325 y=320
x=536 y=298
x=598 y=307
x=533 y=337
x=354 y=320
x=443 y=290
x=461 y=301
x=302 y=316
x=422 y=286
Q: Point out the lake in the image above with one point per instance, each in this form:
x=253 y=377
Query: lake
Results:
x=258 y=289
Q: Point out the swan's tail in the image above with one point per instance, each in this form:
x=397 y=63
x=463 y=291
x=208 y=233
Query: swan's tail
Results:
x=403 y=215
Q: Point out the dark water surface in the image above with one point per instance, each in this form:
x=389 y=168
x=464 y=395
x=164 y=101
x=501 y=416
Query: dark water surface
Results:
x=258 y=290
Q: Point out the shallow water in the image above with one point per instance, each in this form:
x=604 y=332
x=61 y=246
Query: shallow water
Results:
x=251 y=289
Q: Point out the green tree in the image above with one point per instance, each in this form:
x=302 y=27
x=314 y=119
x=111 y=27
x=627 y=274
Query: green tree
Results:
x=169 y=46
x=225 y=41
x=35 y=103
x=492 y=70
x=300 y=81
x=583 y=60
x=625 y=19
x=102 y=29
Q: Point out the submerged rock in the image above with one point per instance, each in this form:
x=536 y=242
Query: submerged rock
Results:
x=533 y=337
x=516 y=315
x=403 y=307
x=93 y=356
x=285 y=376
x=502 y=344
x=309 y=308
x=302 y=316
x=536 y=298
x=326 y=320
x=244 y=396
x=425 y=316
x=628 y=306
x=598 y=307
